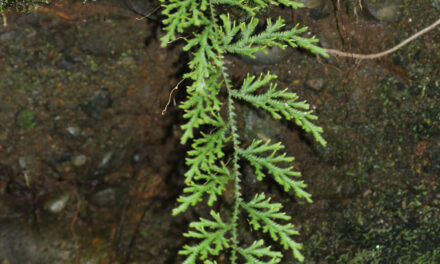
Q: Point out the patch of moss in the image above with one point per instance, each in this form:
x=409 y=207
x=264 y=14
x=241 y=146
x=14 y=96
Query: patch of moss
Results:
x=26 y=119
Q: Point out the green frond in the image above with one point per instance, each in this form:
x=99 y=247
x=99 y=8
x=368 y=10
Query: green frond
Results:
x=266 y=3
x=251 y=42
x=263 y=157
x=205 y=152
x=208 y=37
x=213 y=184
x=279 y=103
x=256 y=252
x=201 y=106
x=212 y=235
x=236 y=3
x=266 y=216
x=180 y=15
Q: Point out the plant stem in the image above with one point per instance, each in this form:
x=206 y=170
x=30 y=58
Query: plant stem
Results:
x=235 y=171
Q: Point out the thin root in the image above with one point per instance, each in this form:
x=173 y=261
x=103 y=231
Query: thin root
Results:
x=169 y=97
x=384 y=53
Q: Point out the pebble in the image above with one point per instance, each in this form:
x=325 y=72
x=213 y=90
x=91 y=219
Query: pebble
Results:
x=273 y=55
x=316 y=84
x=96 y=103
x=58 y=203
x=383 y=10
x=73 y=130
x=318 y=8
x=105 y=197
x=79 y=160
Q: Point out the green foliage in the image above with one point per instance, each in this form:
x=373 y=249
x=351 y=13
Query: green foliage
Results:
x=209 y=35
x=19 y=5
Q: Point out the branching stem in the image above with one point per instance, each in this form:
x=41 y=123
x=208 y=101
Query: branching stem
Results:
x=235 y=170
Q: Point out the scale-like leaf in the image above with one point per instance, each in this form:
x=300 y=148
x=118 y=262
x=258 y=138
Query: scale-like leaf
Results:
x=212 y=184
x=279 y=103
x=212 y=236
x=256 y=253
x=266 y=216
x=262 y=161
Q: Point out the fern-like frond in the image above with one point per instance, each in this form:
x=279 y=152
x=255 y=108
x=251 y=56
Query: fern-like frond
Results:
x=266 y=216
x=212 y=235
x=201 y=106
x=263 y=157
x=250 y=42
x=279 y=103
x=180 y=15
x=237 y=4
x=213 y=184
x=205 y=151
x=256 y=252
x=266 y=3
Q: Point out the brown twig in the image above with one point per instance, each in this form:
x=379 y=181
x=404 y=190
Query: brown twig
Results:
x=384 y=53
x=169 y=97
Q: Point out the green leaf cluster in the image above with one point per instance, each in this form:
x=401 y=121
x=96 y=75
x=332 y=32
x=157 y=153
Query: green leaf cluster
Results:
x=211 y=127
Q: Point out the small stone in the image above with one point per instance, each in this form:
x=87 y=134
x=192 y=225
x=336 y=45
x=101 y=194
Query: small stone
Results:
x=73 y=130
x=316 y=84
x=318 y=8
x=143 y=7
x=24 y=161
x=383 y=10
x=58 y=203
x=110 y=159
x=105 y=197
x=79 y=160
x=436 y=4
x=96 y=103
x=270 y=56
x=128 y=61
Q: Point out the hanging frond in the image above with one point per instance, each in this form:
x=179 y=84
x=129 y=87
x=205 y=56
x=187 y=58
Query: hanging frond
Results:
x=211 y=234
x=256 y=253
x=279 y=103
x=267 y=216
x=214 y=158
x=250 y=41
x=206 y=150
x=263 y=157
x=212 y=184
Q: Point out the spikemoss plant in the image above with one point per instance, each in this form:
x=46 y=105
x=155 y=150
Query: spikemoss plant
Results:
x=212 y=35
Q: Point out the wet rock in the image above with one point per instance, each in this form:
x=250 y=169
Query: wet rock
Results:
x=20 y=245
x=96 y=103
x=26 y=119
x=10 y=36
x=73 y=130
x=101 y=39
x=79 y=160
x=110 y=159
x=64 y=64
x=260 y=125
x=436 y=4
x=56 y=204
x=148 y=8
x=24 y=161
x=317 y=8
x=383 y=10
x=272 y=55
x=316 y=84
x=107 y=197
